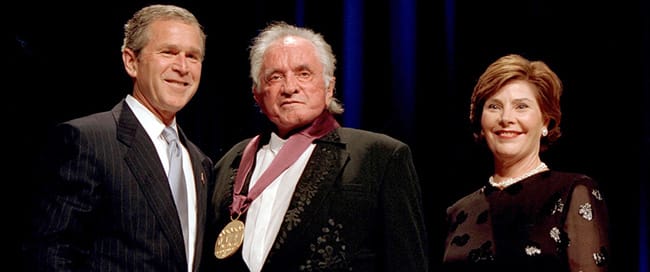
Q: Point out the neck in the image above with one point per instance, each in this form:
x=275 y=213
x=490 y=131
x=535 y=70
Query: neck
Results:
x=320 y=125
x=505 y=182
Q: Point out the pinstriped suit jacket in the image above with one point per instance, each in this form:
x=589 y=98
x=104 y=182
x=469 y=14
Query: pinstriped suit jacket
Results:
x=107 y=205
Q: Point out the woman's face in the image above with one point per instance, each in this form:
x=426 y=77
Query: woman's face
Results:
x=512 y=122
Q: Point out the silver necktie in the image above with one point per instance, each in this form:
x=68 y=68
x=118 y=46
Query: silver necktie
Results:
x=177 y=179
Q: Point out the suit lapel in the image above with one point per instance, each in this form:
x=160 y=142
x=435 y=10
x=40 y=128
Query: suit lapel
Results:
x=145 y=165
x=315 y=184
x=200 y=166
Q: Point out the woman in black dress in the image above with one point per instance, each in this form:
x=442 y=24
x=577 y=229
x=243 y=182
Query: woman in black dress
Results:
x=527 y=217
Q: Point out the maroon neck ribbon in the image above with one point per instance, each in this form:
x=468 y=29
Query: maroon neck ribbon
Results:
x=288 y=154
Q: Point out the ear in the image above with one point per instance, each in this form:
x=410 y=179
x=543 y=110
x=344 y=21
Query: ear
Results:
x=330 y=89
x=130 y=61
x=255 y=92
x=548 y=123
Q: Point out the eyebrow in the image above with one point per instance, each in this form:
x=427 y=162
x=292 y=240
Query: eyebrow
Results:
x=514 y=100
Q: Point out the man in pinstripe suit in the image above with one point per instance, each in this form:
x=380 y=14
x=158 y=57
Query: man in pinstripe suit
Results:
x=106 y=203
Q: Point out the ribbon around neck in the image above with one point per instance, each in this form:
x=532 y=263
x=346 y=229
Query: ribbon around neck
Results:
x=288 y=154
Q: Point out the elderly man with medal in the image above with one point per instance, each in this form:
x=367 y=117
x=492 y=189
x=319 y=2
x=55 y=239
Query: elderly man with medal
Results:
x=308 y=194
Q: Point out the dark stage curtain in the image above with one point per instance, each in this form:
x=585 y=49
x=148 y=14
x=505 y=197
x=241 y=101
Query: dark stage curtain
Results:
x=405 y=68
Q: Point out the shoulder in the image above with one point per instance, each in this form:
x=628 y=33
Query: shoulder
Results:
x=228 y=162
x=359 y=136
x=473 y=199
x=570 y=179
x=367 y=143
x=239 y=146
x=236 y=150
x=100 y=120
x=568 y=182
x=92 y=126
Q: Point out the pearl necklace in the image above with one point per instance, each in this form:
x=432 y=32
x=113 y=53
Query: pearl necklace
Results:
x=510 y=181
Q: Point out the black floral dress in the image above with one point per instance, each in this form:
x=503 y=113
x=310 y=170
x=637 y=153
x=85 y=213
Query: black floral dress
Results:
x=550 y=221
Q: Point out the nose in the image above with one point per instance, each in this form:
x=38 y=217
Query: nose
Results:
x=290 y=85
x=506 y=116
x=180 y=63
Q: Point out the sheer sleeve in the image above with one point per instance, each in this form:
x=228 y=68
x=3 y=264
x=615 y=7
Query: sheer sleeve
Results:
x=587 y=228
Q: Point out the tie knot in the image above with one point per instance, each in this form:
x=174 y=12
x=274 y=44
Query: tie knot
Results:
x=170 y=135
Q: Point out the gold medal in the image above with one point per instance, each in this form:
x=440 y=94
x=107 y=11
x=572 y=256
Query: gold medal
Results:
x=230 y=239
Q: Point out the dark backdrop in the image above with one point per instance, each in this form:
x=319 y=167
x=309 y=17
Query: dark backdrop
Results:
x=406 y=68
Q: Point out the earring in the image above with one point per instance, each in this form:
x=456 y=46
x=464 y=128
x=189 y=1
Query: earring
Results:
x=544 y=132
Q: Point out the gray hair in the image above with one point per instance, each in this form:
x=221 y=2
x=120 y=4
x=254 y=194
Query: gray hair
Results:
x=278 y=30
x=135 y=30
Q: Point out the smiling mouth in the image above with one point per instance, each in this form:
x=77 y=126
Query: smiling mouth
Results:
x=178 y=83
x=507 y=133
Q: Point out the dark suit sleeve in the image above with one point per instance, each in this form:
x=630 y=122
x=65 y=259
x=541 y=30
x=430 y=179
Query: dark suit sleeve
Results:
x=404 y=224
x=64 y=197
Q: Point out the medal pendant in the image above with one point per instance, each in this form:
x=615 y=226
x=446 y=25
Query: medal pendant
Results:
x=229 y=240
